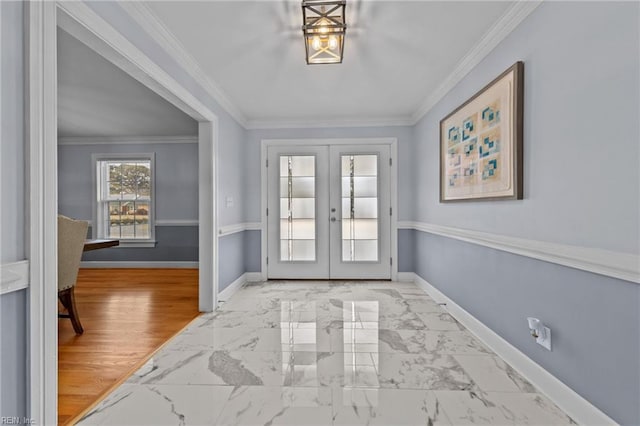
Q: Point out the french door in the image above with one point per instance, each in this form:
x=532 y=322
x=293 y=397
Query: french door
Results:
x=329 y=212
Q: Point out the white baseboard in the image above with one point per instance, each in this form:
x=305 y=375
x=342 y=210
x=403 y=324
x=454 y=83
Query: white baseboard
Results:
x=253 y=277
x=406 y=277
x=128 y=264
x=232 y=288
x=14 y=276
x=578 y=408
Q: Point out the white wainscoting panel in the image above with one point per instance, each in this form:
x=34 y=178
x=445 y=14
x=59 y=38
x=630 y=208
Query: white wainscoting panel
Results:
x=14 y=276
x=619 y=265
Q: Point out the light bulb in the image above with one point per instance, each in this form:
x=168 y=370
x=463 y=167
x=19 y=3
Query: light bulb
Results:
x=315 y=43
x=333 y=42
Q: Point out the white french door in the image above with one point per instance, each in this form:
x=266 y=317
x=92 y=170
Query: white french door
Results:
x=329 y=212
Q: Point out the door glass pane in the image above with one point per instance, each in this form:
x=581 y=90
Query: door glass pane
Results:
x=297 y=208
x=360 y=208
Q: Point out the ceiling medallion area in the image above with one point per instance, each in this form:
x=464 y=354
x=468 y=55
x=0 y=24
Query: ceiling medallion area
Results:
x=324 y=28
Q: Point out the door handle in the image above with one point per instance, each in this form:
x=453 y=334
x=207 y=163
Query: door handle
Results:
x=333 y=219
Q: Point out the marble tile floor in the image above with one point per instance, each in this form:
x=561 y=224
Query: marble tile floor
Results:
x=326 y=353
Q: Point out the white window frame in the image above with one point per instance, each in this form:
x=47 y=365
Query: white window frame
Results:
x=97 y=231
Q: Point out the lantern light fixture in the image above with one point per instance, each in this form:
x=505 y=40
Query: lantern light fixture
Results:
x=324 y=27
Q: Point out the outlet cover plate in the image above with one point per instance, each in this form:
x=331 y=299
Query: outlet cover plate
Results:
x=545 y=341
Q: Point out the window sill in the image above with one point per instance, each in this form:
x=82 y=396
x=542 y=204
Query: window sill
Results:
x=137 y=244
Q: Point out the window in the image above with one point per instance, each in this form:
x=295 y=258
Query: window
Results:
x=125 y=198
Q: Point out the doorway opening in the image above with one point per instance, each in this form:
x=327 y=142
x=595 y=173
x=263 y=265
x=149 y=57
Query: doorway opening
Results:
x=82 y=22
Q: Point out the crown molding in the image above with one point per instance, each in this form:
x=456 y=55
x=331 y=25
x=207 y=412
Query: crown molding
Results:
x=623 y=266
x=154 y=26
x=498 y=32
x=125 y=140
x=329 y=123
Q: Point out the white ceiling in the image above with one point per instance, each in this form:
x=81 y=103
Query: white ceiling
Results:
x=397 y=53
x=96 y=98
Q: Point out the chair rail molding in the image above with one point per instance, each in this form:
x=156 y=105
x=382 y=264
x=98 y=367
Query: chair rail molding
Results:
x=239 y=227
x=14 y=276
x=624 y=266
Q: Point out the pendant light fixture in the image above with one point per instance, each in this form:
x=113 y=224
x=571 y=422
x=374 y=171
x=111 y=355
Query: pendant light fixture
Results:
x=323 y=28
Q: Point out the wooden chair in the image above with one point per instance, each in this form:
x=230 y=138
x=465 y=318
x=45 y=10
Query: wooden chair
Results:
x=71 y=237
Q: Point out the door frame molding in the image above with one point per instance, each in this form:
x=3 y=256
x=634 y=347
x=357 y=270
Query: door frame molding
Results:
x=41 y=21
x=393 y=185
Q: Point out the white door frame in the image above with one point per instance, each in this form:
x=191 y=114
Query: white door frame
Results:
x=393 y=149
x=41 y=20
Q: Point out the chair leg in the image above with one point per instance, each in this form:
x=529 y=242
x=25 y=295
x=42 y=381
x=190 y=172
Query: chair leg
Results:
x=68 y=300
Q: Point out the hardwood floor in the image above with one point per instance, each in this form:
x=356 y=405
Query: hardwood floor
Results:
x=127 y=314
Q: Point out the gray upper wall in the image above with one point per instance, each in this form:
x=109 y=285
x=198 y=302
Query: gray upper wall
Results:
x=175 y=178
x=404 y=134
x=581 y=146
x=13 y=344
x=176 y=197
x=96 y=98
x=12 y=134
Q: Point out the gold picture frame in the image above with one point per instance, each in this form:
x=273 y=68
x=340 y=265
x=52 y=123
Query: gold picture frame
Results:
x=481 y=143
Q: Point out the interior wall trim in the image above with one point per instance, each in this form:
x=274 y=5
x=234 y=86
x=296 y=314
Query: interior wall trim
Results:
x=165 y=222
x=125 y=140
x=138 y=264
x=498 y=32
x=177 y=222
x=578 y=408
x=613 y=264
x=14 y=276
x=154 y=26
x=233 y=288
x=330 y=123
x=239 y=227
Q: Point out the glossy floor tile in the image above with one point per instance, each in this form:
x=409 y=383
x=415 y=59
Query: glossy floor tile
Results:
x=326 y=353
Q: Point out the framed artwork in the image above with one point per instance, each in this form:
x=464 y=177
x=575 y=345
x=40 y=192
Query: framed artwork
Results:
x=481 y=143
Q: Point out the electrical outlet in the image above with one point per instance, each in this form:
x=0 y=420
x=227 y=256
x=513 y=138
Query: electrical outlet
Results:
x=229 y=201
x=540 y=332
x=544 y=340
